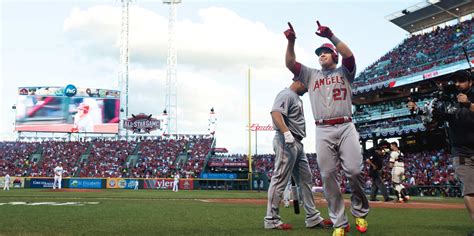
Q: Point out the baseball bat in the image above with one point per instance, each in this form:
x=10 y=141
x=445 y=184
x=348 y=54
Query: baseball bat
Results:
x=294 y=191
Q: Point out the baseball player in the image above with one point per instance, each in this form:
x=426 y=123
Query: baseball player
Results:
x=58 y=176
x=398 y=172
x=82 y=120
x=176 y=182
x=7 y=182
x=136 y=185
x=290 y=159
x=337 y=140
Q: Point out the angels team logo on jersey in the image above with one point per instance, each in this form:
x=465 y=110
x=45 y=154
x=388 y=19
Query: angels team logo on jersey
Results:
x=282 y=105
x=328 y=81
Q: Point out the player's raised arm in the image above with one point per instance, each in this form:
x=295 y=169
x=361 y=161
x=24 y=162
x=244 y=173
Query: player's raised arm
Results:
x=290 y=57
x=342 y=48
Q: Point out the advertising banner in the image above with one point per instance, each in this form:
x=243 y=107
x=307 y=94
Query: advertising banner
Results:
x=218 y=176
x=141 y=123
x=85 y=183
x=228 y=164
x=112 y=183
x=41 y=183
x=68 y=110
x=186 y=184
x=158 y=183
x=15 y=182
x=121 y=183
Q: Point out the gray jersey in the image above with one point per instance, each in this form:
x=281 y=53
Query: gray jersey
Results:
x=329 y=91
x=289 y=104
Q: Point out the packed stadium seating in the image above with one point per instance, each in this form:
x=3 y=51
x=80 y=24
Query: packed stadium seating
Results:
x=14 y=157
x=157 y=158
x=419 y=53
x=428 y=168
x=106 y=158
x=54 y=152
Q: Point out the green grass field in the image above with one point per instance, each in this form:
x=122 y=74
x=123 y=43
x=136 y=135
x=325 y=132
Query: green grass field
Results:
x=153 y=212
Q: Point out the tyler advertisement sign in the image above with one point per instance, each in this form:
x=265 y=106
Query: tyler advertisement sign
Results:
x=141 y=123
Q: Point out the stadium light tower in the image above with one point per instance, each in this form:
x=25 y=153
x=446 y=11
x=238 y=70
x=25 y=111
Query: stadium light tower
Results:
x=171 y=71
x=123 y=67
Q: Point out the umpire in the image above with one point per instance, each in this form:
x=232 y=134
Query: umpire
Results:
x=461 y=135
x=375 y=162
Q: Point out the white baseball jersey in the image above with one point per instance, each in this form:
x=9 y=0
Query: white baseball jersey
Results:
x=176 y=179
x=329 y=90
x=396 y=157
x=58 y=171
x=7 y=178
x=84 y=123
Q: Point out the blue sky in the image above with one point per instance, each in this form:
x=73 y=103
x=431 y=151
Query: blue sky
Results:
x=56 y=43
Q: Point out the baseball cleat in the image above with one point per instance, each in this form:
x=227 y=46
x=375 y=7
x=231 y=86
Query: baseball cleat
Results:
x=284 y=227
x=361 y=224
x=325 y=224
x=341 y=231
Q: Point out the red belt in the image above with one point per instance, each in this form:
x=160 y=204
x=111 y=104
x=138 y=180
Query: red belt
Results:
x=334 y=121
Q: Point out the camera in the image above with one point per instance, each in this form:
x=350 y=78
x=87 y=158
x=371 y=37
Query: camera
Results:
x=442 y=105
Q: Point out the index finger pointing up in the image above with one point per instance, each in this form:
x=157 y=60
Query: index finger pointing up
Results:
x=317 y=22
x=291 y=27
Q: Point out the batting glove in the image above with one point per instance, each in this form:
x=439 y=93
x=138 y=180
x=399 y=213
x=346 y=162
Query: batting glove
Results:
x=289 y=139
x=324 y=31
x=290 y=33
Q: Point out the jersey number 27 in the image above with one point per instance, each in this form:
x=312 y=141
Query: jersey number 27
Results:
x=339 y=94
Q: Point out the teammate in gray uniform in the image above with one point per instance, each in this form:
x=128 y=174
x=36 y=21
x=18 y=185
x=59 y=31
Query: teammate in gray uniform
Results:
x=290 y=159
x=337 y=140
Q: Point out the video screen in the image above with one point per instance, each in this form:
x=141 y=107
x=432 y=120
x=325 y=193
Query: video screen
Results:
x=47 y=109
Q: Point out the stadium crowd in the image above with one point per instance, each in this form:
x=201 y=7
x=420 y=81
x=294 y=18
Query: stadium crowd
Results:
x=106 y=158
x=419 y=53
x=14 y=157
x=431 y=170
x=158 y=159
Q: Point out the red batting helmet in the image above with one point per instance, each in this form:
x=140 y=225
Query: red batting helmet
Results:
x=329 y=47
x=84 y=107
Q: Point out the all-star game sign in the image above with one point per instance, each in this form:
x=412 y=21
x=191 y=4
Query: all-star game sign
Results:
x=141 y=123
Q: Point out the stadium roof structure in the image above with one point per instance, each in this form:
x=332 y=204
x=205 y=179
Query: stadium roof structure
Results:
x=430 y=13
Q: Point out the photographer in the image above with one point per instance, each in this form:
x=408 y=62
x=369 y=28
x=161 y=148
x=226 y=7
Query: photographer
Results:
x=459 y=116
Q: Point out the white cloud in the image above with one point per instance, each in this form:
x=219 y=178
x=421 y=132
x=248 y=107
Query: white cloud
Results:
x=214 y=53
x=221 y=38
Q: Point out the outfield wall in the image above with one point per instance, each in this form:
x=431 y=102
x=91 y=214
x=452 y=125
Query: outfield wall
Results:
x=15 y=182
x=130 y=183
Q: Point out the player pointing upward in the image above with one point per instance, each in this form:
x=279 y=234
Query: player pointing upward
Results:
x=337 y=140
